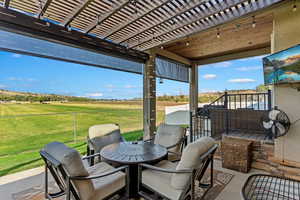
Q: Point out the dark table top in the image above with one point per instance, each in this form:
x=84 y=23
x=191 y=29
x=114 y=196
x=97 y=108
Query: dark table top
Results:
x=133 y=153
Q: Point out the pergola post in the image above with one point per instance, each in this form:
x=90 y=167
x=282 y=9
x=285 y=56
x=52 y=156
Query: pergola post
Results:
x=149 y=97
x=193 y=88
x=193 y=98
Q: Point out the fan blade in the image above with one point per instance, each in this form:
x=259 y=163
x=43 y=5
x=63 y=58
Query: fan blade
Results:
x=273 y=114
x=268 y=125
x=274 y=131
x=280 y=128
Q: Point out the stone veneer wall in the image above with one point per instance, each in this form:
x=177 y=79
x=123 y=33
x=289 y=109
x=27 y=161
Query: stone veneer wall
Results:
x=263 y=159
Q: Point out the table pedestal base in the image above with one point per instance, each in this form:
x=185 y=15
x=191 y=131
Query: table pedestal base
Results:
x=133 y=186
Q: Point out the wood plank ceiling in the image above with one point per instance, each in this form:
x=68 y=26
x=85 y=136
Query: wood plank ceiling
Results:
x=139 y=24
x=241 y=35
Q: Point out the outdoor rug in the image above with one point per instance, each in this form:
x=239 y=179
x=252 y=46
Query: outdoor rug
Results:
x=221 y=179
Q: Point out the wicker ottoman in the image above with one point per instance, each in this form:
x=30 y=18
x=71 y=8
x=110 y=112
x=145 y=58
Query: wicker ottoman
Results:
x=236 y=154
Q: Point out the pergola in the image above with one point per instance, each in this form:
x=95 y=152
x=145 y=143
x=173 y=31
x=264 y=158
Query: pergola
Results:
x=156 y=38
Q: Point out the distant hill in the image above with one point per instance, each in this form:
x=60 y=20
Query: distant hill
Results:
x=6 y=95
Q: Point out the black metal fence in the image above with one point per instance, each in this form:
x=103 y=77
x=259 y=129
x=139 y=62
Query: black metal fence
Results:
x=231 y=112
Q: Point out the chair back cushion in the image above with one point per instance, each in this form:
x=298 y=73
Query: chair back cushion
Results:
x=103 y=135
x=68 y=157
x=191 y=160
x=168 y=135
x=72 y=163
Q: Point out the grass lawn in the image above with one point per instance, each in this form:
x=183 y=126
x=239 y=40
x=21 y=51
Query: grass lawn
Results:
x=23 y=133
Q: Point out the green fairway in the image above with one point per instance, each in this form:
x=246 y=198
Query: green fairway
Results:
x=26 y=128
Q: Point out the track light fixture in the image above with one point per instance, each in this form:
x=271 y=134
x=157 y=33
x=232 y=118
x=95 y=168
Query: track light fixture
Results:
x=294 y=6
x=218 y=33
x=161 y=81
x=253 y=22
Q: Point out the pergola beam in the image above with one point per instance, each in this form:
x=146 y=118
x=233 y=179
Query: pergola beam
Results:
x=6 y=3
x=179 y=12
x=20 y=23
x=106 y=16
x=76 y=12
x=131 y=21
x=171 y=56
x=233 y=56
x=44 y=8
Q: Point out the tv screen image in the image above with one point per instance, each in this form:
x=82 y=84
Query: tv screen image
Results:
x=282 y=67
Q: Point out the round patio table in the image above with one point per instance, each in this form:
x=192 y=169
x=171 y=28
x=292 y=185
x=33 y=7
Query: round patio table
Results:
x=132 y=154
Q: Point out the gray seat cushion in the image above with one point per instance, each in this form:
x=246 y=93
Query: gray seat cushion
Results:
x=190 y=159
x=105 y=186
x=160 y=182
x=103 y=135
x=168 y=135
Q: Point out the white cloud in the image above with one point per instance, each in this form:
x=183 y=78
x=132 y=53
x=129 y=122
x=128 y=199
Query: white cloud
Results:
x=251 y=68
x=96 y=94
x=110 y=86
x=242 y=80
x=210 y=76
x=14 y=79
x=2 y=86
x=129 y=86
x=218 y=65
x=21 y=79
x=15 y=55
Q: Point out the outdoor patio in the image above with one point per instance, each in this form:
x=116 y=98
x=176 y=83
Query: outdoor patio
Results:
x=30 y=184
x=167 y=39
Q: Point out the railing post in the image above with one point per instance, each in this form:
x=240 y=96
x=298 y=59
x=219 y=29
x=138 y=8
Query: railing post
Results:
x=226 y=100
x=191 y=127
x=269 y=99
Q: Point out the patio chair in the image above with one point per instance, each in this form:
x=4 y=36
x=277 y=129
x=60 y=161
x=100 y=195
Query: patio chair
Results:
x=176 y=181
x=101 y=181
x=173 y=138
x=101 y=136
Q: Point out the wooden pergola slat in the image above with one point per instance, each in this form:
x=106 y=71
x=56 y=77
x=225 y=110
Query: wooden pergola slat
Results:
x=131 y=21
x=44 y=8
x=179 y=12
x=106 y=16
x=76 y=12
x=195 y=19
x=232 y=14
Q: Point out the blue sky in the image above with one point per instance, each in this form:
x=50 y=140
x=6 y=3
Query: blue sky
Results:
x=39 y=75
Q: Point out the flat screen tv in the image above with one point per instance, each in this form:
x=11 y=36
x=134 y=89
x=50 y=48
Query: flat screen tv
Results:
x=282 y=67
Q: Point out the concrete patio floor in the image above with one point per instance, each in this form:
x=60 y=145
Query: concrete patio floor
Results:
x=21 y=181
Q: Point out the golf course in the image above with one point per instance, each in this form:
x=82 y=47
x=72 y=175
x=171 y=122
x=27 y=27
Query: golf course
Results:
x=26 y=127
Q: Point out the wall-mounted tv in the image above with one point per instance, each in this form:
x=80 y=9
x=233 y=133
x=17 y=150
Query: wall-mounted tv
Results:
x=282 y=67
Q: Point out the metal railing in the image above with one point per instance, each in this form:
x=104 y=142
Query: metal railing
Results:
x=234 y=109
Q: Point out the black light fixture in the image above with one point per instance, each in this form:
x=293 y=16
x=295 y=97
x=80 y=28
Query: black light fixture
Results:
x=294 y=6
x=253 y=22
x=218 y=33
x=187 y=43
x=161 y=80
